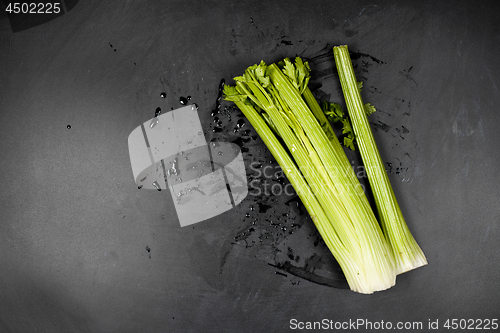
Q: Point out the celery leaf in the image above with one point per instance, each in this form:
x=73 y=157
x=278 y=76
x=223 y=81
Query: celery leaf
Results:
x=369 y=109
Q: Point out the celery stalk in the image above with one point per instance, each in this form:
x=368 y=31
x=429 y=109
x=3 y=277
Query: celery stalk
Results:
x=376 y=251
x=305 y=193
x=406 y=250
x=269 y=99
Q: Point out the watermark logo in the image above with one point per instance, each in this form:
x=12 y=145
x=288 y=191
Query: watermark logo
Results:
x=270 y=180
x=205 y=179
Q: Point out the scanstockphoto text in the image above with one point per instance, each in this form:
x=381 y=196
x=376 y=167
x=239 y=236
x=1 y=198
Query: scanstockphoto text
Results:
x=270 y=180
x=448 y=324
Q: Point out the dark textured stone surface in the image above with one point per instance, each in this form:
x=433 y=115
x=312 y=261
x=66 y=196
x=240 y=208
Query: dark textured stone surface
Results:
x=83 y=250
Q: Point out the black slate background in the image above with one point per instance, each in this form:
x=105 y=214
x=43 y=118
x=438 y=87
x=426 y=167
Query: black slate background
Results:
x=83 y=250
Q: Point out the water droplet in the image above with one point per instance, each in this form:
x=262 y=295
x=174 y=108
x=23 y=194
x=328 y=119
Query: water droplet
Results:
x=154 y=122
x=174 y=170
x=156 y=185
x=183 y=100
x=139 y=187
x=247 y=215
x=188 y=97
x=240 y=123
x=163 y=95
x=157 y=111
x=68 y=127
x=220 y=153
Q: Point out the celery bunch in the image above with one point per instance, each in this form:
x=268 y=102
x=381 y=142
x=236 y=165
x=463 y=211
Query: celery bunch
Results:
x=277 y=102
x=406 y=251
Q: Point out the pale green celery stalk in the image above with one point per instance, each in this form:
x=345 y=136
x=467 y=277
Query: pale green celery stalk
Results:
x=315 y=174
x=320 y=219
x=312 y=103
x=339 y=152
x=320 y=115
x=327 y=128
x=265 y=96
x=406 y=250
x=344 y=208
x=376 y=253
